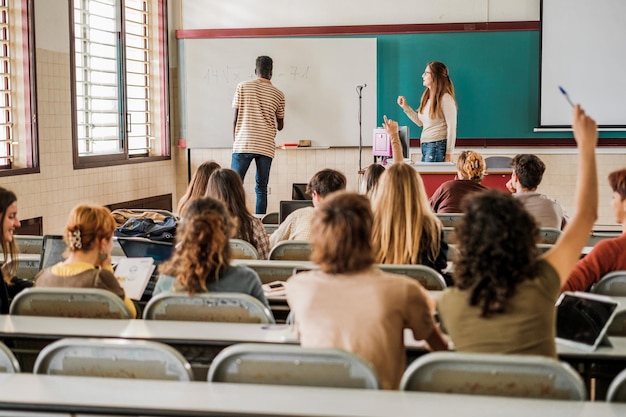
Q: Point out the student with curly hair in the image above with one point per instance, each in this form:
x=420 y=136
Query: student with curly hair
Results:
x=89 y=238
x=448 y=197
x=405 y=229
x=197 y=185
x=505 y=293
x=608 y=255
x=201 y=258
x=348 y=303
x=226 y=186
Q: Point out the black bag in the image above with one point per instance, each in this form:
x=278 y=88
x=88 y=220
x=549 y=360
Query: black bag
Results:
x=162 y=231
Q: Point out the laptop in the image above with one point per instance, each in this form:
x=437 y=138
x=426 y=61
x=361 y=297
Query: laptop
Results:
x=136 y=247
x=52 y=249
x=582 y=319
x=289 y=206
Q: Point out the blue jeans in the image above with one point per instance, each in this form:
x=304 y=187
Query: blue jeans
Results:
x=240 y=163
x=434 y=151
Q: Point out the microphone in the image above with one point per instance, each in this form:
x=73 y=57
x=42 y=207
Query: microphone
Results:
x=361 y=86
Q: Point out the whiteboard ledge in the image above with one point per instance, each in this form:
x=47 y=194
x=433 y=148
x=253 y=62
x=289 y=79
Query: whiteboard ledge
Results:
x=569 y=129
x=288 y=148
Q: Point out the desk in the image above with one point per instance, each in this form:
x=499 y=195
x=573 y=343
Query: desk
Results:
x=199 y=342
x=177 y=398
x=436 y=173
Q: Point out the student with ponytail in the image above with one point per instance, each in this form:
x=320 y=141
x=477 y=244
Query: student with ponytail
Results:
x=449 y=196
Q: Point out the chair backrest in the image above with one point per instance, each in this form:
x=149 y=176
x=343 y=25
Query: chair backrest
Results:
x=495 y=375
x=613 y=283
x=617 y=327
x=29 y=243
x=240 y=249
x=498 y=162
x=69 y=302
x=291 y=250
x=544 y=247
x=254 y=363
x=449 y=235
x=449 y=219
x=8 y=361
x=113 y=358
x=27 y=265
x=428 y=277
x=617 y=389
x=216 y=306
x=270 y=271
x=549 y=235
x=270 y=218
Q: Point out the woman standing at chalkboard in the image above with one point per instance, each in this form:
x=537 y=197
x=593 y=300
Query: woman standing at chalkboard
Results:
x=436 y=114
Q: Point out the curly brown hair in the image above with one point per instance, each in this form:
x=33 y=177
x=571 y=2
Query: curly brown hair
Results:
x=202 y=250
x=497 y=249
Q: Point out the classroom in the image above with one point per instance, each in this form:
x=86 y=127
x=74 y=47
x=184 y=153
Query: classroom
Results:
x=51 y=172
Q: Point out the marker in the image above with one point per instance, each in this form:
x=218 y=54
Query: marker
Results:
x=566 y=96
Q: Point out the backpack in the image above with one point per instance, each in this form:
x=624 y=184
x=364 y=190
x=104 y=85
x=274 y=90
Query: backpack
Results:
x=163 y=231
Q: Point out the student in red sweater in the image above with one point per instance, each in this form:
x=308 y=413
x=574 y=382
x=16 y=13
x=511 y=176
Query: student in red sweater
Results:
x=607 y=255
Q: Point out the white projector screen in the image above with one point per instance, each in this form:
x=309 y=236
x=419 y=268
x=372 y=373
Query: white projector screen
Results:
x=583 y=49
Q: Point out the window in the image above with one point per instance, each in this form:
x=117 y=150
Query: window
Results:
x=18 y=144
x=120 y=82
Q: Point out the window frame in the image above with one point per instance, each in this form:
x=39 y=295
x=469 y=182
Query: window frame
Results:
x=162 y=130
x=30 y=143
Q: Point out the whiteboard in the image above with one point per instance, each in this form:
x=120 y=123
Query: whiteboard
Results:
x=583 y=50
x=318 y=76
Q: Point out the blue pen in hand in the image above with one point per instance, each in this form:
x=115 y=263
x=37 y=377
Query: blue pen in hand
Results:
x=566 y=96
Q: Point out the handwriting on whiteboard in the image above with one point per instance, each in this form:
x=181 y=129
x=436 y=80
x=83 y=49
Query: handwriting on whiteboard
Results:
x=231 y=74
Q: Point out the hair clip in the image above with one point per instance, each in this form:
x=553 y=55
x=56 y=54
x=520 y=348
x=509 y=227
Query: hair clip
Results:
x=75 y=239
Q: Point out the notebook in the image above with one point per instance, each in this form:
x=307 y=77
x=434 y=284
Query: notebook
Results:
x=135 y=247
x=582 y=319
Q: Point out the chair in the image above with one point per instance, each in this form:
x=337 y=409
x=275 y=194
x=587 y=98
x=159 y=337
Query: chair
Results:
x=270 y=218
x=524 y=376
x=217 y=306
x=113 y=358
x=544 y=247
x=29 y=244
x=449 y=235
x=27 y=265
x=240 y=249
x=617 y=389
x=428 y=277
x=449 y=219
x=613 y=283
x=617 y=327
x=291 y=250
x=253 y=363
x=270 y=271
x=497 y=162
x=548 y=235
x=69 y=302
x=8 y=361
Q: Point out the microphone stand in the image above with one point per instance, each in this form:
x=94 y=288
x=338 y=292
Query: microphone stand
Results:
x=359 y=90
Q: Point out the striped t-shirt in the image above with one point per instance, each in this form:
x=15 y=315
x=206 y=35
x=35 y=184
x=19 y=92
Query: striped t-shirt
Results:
x=259 y=104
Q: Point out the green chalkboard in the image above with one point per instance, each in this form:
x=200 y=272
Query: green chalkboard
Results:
x=495 y=75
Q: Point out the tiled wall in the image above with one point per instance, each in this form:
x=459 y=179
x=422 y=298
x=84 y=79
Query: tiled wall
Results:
x=299 y=165
x=58 y=187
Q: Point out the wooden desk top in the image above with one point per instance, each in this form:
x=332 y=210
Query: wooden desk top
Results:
x=175 y=398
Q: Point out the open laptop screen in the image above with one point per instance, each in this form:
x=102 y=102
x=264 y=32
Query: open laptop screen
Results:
x=51 y=251
x=582 y=319
x=139 y=248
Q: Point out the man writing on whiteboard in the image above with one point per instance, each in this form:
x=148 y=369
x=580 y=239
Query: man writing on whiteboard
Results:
x=259 y=114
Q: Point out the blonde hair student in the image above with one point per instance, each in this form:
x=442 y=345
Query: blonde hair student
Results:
x=197 y=185
x=89 y=238
x=449 y=196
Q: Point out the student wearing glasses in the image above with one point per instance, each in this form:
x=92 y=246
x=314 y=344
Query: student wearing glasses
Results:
x=436 y=114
